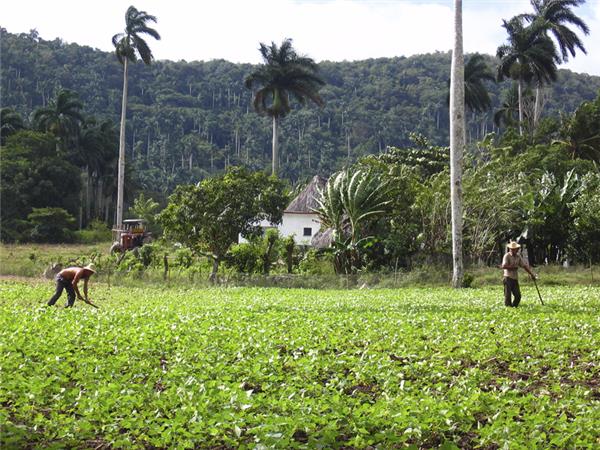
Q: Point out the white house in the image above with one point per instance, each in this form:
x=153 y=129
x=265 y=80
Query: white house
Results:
x=299 y=219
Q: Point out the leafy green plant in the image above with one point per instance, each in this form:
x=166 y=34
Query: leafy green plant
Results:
x=244 y=258
x=209 y=217
x=51 y=225
x=299 y=368
x=96 y=232
x=350 y=201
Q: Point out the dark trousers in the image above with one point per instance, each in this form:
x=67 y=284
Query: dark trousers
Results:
x=62 y=283
x=511 y=286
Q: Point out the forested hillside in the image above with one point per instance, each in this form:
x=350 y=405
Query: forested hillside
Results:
x=187 y=120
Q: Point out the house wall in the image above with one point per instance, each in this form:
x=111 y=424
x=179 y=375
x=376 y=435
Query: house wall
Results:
x=294 y=224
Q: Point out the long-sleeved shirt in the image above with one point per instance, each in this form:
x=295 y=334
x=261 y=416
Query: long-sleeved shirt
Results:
x=514 y=261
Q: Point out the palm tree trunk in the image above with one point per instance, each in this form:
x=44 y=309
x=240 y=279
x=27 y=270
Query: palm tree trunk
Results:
x=537 y=111
x=215 y=268
x=275 y=146
x=457 y=143
x=121 y=171
x=88 y=199
x=520 y=91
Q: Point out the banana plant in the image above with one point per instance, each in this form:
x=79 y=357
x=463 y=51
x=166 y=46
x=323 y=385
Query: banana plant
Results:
x=349 y=203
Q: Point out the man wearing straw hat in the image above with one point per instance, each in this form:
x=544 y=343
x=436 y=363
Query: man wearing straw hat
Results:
x=67 y=279
x=511 y=263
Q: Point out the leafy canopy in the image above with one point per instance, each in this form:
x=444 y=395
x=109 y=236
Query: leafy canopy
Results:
x=284 y=74
x=130 y=43
x=208 y=217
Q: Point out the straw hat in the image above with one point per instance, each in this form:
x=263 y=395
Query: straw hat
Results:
x=513 y=244
x=91 y=268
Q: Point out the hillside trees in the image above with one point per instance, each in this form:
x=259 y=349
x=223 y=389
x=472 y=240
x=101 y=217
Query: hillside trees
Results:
x=370 y=105
x=75 y=175
x=10 y=122
x=33 y=175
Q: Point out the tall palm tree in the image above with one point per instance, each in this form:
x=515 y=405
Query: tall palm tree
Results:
x=476 y=71
x=508 y=113
x=97 y=157
x=283 y=74
x=476 y=95
x=128 y=46
x=554 y=17
x=457 y=144
x=528 y=56
x=62 y=117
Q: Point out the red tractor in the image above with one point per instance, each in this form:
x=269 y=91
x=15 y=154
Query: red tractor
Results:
x=132 y=235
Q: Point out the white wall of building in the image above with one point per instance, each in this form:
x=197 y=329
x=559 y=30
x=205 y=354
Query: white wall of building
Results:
x=297 y=224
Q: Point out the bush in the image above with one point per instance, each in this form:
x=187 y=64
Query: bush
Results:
x=97 y=231
x=147 y=254
x=316 y=263
x=53 y=225
x=245 y=258
x=15 y=230
x=468 y=279
x=131 y=264
x=184 y=258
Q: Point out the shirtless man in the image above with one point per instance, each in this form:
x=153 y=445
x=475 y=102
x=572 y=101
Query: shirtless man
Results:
x=68 y=279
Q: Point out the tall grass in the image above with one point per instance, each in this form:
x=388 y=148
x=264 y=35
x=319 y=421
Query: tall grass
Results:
x=31 y=260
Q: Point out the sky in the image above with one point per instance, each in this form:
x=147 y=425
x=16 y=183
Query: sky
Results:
x=334 y=30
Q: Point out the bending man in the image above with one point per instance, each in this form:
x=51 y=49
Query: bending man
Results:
x=67 y=279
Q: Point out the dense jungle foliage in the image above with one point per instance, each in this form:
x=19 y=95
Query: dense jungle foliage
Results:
x=188 y=120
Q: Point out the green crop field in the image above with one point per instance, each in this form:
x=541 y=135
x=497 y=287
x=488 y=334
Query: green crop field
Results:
x=272 y=368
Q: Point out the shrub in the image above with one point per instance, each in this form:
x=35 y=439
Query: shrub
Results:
x=15 y=230
x=147 y=254
x=131 y=264
x=183 y=258
x=52 y=225
x=316 y=263
x=97 y=231
x=246 y=258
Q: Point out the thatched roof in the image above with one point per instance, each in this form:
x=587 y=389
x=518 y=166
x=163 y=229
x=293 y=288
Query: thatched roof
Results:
x=306 y=201
x=322 y=239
